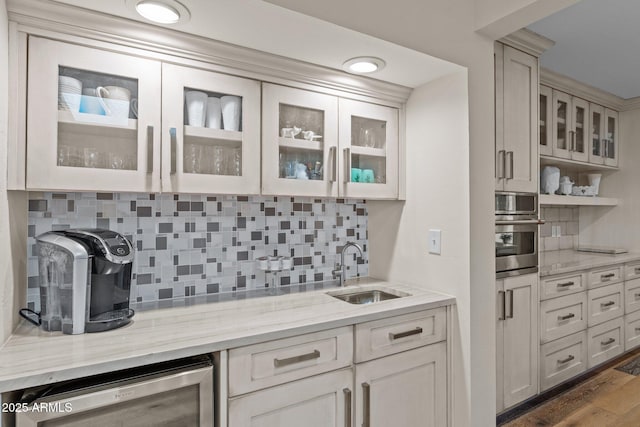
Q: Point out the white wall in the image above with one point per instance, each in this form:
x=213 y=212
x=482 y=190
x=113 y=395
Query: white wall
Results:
x=618 y=226
x=437 y=197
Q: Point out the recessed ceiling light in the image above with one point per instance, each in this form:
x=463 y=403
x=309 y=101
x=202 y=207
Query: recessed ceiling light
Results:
x=364 y=65
x=160 y=11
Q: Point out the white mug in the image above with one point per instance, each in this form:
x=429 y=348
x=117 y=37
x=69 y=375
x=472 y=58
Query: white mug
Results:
x=214 y=113
x=196 y=107
x=231 y=112
x=115 y=101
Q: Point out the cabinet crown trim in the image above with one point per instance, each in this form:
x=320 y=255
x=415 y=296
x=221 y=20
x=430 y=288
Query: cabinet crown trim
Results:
x=581 y=90
x=528 y=41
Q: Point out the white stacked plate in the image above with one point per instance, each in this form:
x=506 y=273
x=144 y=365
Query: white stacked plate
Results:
x=69 y=93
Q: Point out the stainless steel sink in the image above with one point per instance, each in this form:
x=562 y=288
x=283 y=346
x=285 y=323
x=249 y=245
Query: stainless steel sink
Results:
x=364 y=297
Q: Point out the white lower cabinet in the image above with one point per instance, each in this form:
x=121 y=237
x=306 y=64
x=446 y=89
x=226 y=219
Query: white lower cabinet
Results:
x=406 y=389
x=562 y=359
x=605 y=341
x=314 y=380
x=632 y=330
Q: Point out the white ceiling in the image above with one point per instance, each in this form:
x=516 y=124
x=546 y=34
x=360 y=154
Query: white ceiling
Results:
x=597 y=43
x=270 y=28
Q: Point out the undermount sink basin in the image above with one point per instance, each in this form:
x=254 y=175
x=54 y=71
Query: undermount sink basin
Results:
x=364 y=297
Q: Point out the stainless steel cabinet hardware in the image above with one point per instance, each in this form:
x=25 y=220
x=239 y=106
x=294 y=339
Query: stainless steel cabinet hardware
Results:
x=315 y=354
x=636 y=295
x=366 y=405
x=502 y=303
x=567 y=360
x=333 y=153
x=501 y=163
x=510 y=294
x=510 y=154
x=637 y=329
x=607 y=342
x=565 y=284
x=572 y=139
x=521 y=222
x=172 y=134
x=347 y=407
x=566 y=317
x=606 y=277
x=149 y=149
x=607 y=304
x=347 y=165
x=415 y=331
x=637 y=270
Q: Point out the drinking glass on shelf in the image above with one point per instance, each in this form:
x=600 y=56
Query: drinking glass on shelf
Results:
x=116 y=161
x=93 y=158
x=218 y=160
x=237 y=161
x=193 y=158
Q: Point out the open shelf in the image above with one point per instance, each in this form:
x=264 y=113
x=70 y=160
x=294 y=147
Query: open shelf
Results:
x=573 y=165
x=94 y=124
x=300 y=144
x=208 y=133
x=366 y=151
x=554 y=199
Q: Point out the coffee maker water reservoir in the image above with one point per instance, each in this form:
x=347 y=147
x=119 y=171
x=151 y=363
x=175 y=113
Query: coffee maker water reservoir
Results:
x=85 y=280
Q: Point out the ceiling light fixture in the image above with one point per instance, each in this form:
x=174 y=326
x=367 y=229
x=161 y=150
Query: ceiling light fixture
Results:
x=160 y=11
x=363 y=65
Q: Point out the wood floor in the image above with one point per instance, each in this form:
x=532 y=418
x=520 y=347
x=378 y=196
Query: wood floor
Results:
x=610 y=398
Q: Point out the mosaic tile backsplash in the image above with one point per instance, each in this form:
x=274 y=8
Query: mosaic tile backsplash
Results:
x=189 y=245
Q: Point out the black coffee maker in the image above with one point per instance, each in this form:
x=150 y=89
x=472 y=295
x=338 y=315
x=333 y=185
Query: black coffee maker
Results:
x=85 y=280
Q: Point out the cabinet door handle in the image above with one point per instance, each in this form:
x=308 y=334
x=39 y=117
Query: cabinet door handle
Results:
x=565 y=285
x=149 y=149
x=347 y=407
x=636 y=296
x=502 y=302
x=608 y=342
x=501 y=163
x=347 y=165
x=567 y=360
x=637 y=270
x=572 y=140
x=278 y=363
x=416 y=331
x=510 y=294
x=510 y=154
x=333 y=157
x=566 y=317
x=366 y=405
x=174 y=143
x=637 y=329
x=607 y=304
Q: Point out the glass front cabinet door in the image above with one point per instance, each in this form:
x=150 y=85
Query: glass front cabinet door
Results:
x=299 y=138
x=579 y=135
x=546 y=139
x=610 y=142
x=92 y=119
x=596 y=151
x=561 y=124
x=210 y=132
x=369 y=150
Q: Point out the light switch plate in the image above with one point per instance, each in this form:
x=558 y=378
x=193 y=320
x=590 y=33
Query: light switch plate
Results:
x=435 y=242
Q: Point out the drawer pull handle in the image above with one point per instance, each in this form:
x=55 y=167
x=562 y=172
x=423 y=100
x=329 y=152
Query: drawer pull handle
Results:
x=415 y=331
x=347 y=407
x=278 y=363
x=636 y=295
x=637 y=270
x=637 y=329
x=566 y=317
x=567 y=360
x=366 y=405
x=606 y=277
x=565 y=284
x=607 y=342
x=607 y=304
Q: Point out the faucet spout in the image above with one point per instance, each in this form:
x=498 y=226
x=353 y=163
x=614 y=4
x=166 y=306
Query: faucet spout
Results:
x=342 y=268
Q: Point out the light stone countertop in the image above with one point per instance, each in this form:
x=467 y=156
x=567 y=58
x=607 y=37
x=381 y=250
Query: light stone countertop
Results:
x=34 y=357
x=569 y=260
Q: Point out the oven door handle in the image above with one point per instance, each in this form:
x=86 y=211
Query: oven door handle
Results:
x=522 y=222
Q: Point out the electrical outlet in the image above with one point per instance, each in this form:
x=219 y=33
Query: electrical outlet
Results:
x=435 y=242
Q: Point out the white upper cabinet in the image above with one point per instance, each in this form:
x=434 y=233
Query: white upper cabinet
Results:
x=93 y=119
x=570 y=127
x=210 y=132
x=320 y=145
x=546 y=128
x=610 y=141
x=596 y=152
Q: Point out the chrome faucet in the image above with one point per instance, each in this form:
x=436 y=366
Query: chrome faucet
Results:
x=340 y=268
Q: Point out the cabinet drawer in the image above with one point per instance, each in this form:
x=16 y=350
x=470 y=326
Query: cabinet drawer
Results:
x=605 y=303
x=264 y=365
x=632 y=271
x=562 y=359
x=563 y=316
x=561 y=286
x=393 y=335
x=605 y=341
x=631 y=295
x=632 y=330
x=605 y=276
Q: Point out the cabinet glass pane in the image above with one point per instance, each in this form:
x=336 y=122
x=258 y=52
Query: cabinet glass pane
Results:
x=610 y=151
x=543 y=120
x=212 y=133
x=97 y=126
x=561 y=115
x=368 y=150
x=580 y=129
x=300 y=142
x=596 y=133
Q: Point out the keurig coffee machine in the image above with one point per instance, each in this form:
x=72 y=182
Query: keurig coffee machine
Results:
x=85 y=279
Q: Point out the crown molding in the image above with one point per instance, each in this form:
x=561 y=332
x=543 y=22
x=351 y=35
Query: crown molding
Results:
x=528 y=41
x=581 y=90
x=51 y=18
